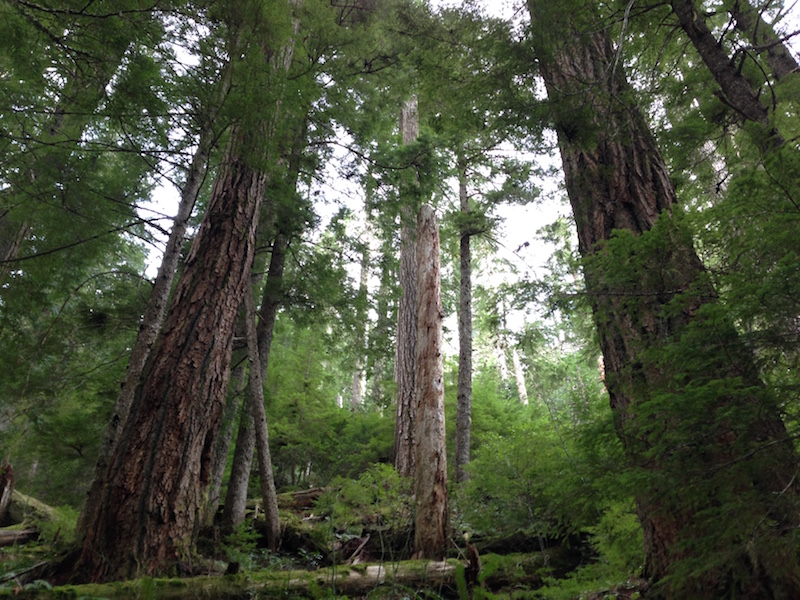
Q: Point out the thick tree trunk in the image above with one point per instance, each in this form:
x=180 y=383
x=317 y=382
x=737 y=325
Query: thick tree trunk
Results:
x=151 y=322
x=405 y=369
x=147 y=514
x=716 y=466
x=464 y=393
x=762 y=36
x=430 y=475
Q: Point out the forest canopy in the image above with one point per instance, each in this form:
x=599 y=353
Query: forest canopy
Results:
x=460 y=280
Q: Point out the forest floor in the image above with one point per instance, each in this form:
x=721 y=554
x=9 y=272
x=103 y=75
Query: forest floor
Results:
x=316 y=560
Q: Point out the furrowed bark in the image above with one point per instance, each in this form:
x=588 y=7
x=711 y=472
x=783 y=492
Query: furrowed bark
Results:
x=695 y=464
x=430 y=474
x=405 y=352
x=147 y=515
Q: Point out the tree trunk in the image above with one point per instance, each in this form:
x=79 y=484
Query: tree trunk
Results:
x=146 y=516
x=233 y=511
x=362 y=321
x=762 y=36
x=151 y=322
x=236 y=498
x=405 y=368
x=256 y=400
x=715 y=466
x=464 y=393
x=519 y=376
x=430 y=475
x=737 y=91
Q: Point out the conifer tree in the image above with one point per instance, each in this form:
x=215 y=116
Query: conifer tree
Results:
x=714 y=464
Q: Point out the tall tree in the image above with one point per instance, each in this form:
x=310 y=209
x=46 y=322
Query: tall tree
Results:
x=405 y=365
x=430 y=471
x=147 y=518
x=717 y=466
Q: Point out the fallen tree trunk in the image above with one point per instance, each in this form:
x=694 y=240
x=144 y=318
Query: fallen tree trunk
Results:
x=9 y=537
x=519 y=570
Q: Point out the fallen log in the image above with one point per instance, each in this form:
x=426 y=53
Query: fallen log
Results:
x=10 y=537
x=520 y=571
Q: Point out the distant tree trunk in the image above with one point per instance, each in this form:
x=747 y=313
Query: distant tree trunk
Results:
x=405 y=368
x=519 y=376
x=151 y=322
x=701 y=457
x=147 y=514
x=362 y=322
x=256 y=399
x=762 y=36
x=464 y=393
x=430 y=475
x=379 y=349
x=501 y=348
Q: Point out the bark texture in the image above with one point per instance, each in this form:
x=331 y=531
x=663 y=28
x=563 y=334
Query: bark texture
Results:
x=147 y=515
x=430 y=475
x=695 y=464
x=405 y=369
x=464 y=393
x=151 y=321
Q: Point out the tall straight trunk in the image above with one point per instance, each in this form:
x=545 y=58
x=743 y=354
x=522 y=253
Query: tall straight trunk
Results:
x=749 y=20
x=464 y=393
x=147 y=513
x=430 y=474
x=716 y=469
x=362 y=322
x=151 y=321
x=519 y=377
x=405 y=368
x=236 y=498
x=269 y=497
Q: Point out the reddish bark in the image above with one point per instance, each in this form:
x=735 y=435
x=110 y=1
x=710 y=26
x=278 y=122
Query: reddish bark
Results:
x=148 y=513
